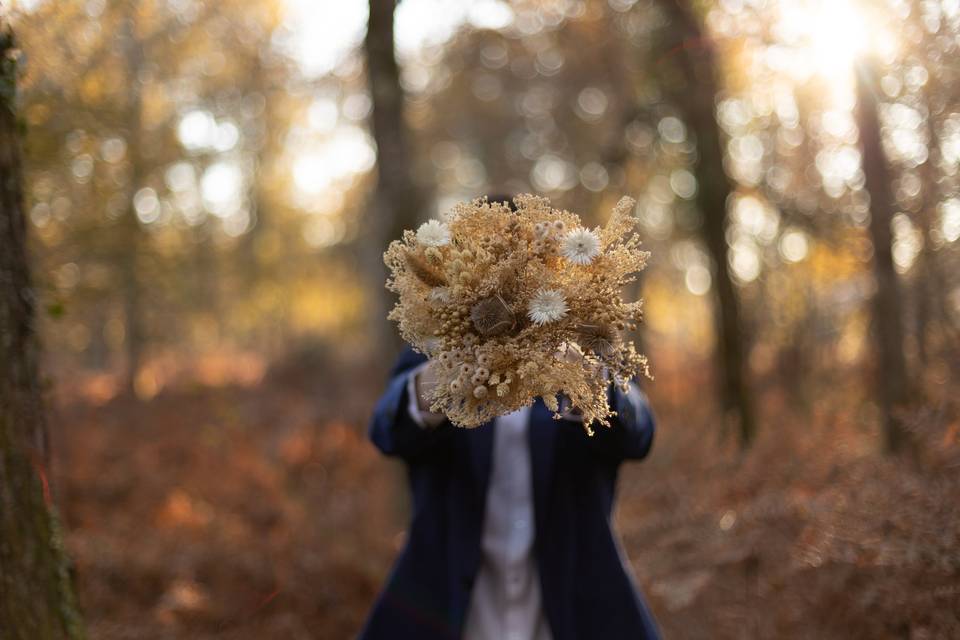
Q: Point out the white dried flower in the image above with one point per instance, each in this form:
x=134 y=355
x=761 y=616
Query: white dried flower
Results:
x=433 y=234
x=580 y=246
x=547 y=305
x=440 y=295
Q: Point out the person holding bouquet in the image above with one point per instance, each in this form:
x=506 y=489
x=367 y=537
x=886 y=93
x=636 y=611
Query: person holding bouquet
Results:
x=511 y=534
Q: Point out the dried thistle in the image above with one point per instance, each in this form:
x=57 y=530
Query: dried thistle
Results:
x=601 y=339
x=492 y=316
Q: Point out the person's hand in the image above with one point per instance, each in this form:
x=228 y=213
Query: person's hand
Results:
x=426 y=381
x=567 y=410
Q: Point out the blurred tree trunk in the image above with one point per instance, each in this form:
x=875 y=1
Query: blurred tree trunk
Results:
x=892 y=383
x=263 y=83
x=397 y=201
x=36 y=601
x=929 y=285
x=131 y=236
x=695 y=97
x=933 y=308
x=933 y=323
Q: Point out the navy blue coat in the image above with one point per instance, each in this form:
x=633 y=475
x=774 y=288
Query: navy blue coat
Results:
x=587 y=591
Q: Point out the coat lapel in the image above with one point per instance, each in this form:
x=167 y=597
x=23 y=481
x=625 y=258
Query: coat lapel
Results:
x=542 y=437
x=481 y=458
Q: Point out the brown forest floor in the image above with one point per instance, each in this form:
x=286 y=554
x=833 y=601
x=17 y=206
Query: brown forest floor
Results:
x=262 y=512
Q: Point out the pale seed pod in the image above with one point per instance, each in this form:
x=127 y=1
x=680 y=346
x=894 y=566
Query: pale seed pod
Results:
x=480 y=392
x=551 y=402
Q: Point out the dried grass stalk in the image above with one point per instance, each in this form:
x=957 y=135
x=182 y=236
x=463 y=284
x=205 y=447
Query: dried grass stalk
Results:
x=427 y=274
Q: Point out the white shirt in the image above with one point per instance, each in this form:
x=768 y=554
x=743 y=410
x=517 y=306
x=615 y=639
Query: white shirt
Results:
x=505 y=603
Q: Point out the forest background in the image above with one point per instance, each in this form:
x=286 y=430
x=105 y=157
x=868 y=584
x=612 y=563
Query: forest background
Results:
x=208 y=188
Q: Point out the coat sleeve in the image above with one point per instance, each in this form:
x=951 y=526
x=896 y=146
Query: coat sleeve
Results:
x=630 y=434
x=392 y=428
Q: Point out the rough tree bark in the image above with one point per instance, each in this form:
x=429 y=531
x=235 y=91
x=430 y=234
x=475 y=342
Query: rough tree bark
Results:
x=397 y=200
x=695 y=98
x=892 y=381
x=36 y=601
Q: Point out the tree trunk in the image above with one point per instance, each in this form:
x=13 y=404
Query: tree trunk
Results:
x=131 y=233
x=934 y=327
x=261 y=82
x=36 y=601
x=696 y=100
x=892 y=382
x=397 y=201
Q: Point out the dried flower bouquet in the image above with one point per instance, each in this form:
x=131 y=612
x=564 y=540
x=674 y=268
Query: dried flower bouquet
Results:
x=516 y=305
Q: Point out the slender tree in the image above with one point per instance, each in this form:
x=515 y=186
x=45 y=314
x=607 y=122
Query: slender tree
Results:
x=694 y=94
x=933 y=325
x=397 y=200
x=36 y=601
x=892 y=381
x=130 y=247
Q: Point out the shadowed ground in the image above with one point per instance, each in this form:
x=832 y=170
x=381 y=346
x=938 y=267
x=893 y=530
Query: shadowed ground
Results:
x=258 y=511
